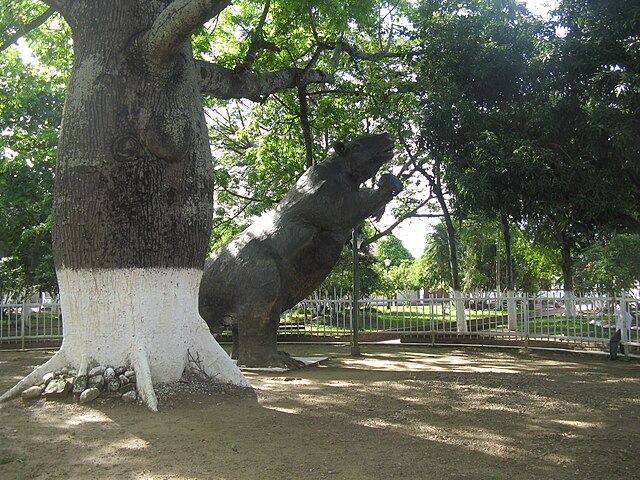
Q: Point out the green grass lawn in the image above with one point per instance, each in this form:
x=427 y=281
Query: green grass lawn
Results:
x=383 y=318
x=579 y=326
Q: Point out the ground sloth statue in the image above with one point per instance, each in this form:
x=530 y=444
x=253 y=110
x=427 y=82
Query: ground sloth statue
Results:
x=286 y=254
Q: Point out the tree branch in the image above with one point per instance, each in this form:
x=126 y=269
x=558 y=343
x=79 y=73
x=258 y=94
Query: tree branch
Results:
x=32 y=25
x=411 y=213
x=176 y=23
x=224 y=83
x=413 y=162
x=312 y=21
x=305 y=125
x=248 y=199
x=356 y=54
x=257 y=41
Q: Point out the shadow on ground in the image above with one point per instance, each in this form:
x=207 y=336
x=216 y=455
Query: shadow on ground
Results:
x=396 y=412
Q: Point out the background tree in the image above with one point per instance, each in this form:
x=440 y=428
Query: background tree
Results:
x=611 y=266
x=473 y=103
x=391 y=248
x=510 y=129
x=434 y=265
x=30 y=108
x=340 y=281
x=266 y=146
x=592 y=93
x=536 y=266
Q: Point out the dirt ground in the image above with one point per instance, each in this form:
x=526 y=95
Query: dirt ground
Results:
x=397 y=412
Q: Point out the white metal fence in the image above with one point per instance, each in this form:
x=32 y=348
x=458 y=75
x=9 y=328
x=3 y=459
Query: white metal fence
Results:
x=27 y=322
x=587 y=321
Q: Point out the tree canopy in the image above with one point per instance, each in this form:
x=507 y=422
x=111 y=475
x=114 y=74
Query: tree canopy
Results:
x=498 y=114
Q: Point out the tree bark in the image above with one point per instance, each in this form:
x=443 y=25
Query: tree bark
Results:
x=506 y=233
x=567 y=269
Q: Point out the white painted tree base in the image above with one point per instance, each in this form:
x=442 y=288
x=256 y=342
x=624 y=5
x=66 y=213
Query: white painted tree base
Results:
x=461 y=317
x=569 y=303
x=512 y=311
x=144 y=318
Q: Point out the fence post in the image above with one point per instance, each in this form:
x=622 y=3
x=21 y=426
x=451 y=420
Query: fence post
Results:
x=22 y=322
x=626 y=326
x=355 y=346
x=432 y=322
x=526 y=321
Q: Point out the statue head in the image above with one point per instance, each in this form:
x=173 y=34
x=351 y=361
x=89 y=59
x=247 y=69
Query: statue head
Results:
x=365 y=155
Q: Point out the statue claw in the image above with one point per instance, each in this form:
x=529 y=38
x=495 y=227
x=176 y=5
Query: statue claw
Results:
x=390 y=182
x=289 y=361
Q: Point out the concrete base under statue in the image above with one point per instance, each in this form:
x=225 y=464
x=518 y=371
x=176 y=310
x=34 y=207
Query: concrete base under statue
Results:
x=308 y=361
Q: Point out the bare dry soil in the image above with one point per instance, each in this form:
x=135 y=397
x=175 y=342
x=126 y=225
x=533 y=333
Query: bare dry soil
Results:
x=396 y=412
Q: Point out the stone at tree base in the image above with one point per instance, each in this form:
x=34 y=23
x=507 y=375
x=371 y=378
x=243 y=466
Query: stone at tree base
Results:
x=113 y=385
x=86 y=389
x=97 y=371
x=128 y=387
x=96 y=381
x=32 y=393
x=89 y=395
x=58 y=387
x=130 y=397
x=108 y=374
x=80 y=384
x=48 y=377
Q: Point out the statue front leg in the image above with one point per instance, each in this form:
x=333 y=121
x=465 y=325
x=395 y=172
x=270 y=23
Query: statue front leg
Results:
x=371 y=202
x=258 y=345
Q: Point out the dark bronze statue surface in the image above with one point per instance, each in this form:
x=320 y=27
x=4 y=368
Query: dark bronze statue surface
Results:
x=286 y=254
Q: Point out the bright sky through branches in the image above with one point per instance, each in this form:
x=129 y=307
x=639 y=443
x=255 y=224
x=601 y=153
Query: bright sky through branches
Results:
x=541 y=7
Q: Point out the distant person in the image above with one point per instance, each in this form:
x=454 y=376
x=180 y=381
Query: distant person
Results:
x=623 y=324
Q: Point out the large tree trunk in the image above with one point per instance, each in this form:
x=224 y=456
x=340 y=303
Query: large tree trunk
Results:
x=512 y=318
x=567 y=273
x=133 y=204
x=458 y=296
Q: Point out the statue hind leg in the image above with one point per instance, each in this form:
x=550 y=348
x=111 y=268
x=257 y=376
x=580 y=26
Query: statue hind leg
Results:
x=257 y=328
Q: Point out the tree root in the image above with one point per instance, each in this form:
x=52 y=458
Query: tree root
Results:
x=144 y=384
x=209 y=360
x=58 y=361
